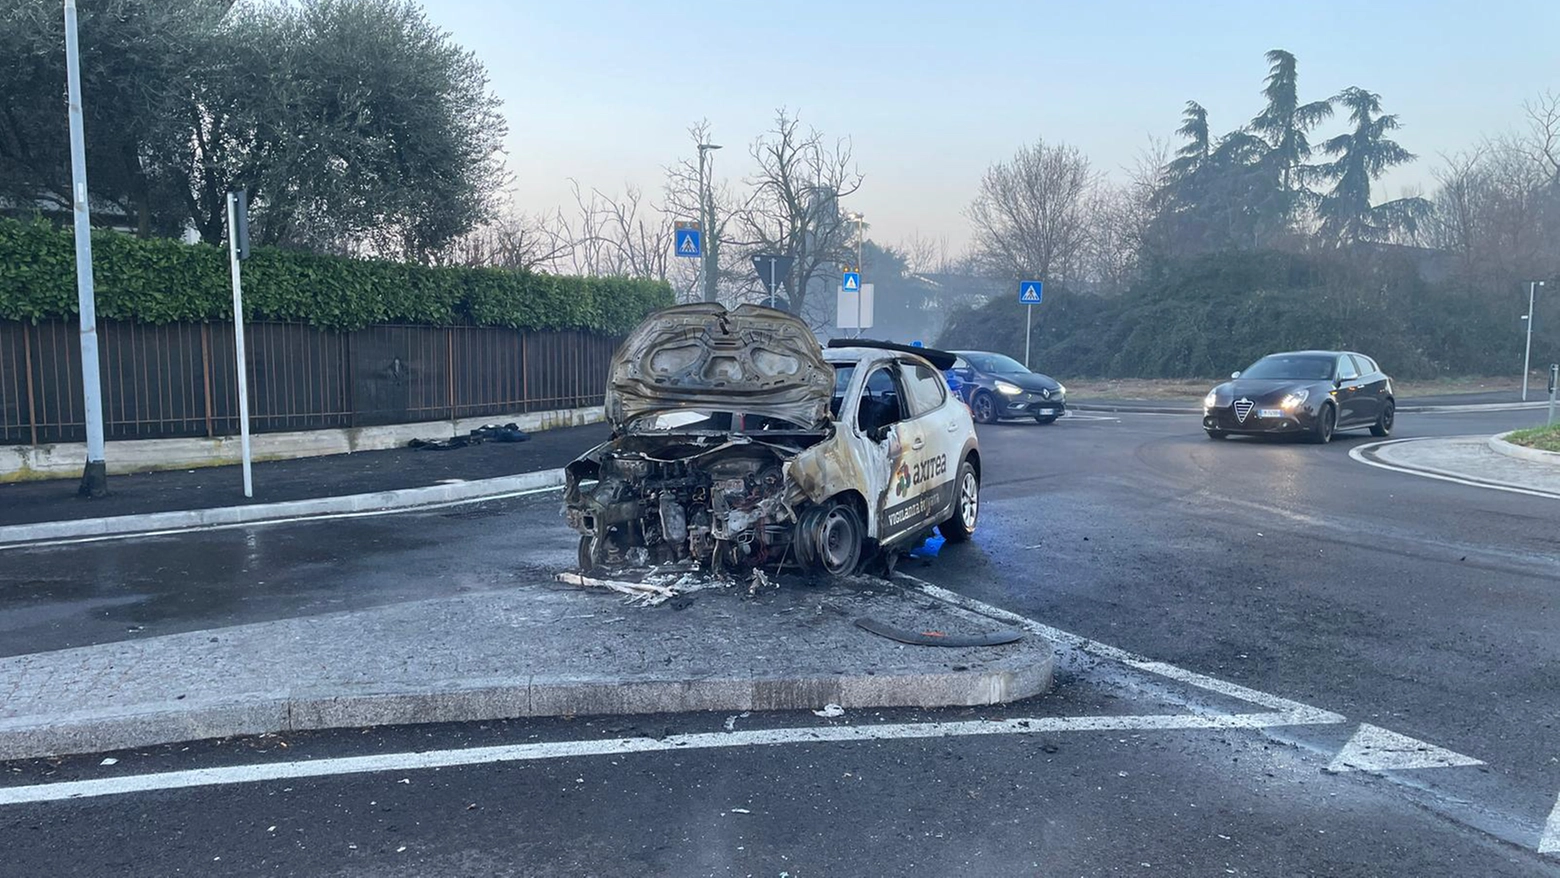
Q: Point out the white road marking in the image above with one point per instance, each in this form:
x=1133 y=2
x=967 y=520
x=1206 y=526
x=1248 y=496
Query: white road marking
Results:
x=1358 y=453
x=1377 y=749
x=1104 y=650
x=241 y=774
x=1071 y=416
x=1549 y=842
x=328 y=516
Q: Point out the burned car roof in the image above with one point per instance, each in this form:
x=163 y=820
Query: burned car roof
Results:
x=703 y=357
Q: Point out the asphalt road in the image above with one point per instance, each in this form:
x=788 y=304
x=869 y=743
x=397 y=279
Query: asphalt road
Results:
x=1423 y=607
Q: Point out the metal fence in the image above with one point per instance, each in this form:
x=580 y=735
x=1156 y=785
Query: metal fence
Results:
x=178 y=380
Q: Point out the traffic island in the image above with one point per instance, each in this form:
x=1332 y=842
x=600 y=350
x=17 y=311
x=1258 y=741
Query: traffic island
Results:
x=1468 y=460
x=539 y=649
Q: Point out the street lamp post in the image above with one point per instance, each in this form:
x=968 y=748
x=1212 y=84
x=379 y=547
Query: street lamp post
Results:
x=94 y=477
x=1527 y=354
x=706 y=220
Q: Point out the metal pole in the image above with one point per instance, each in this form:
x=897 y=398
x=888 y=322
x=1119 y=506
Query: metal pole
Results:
x=859 y=285
x=772 y=282
x=704 y=256
x=238 y=344
x=1528 y=353
x=1554 y=386
x=1028 y=323
x=94 y=476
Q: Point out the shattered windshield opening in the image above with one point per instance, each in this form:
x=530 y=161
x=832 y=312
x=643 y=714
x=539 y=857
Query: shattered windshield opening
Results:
x=713 y=421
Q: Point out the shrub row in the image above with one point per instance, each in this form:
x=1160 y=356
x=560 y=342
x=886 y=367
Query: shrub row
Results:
x=164 y=281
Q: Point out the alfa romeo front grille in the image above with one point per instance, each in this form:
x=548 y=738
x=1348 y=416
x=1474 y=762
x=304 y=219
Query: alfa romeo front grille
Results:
x=1242 y=409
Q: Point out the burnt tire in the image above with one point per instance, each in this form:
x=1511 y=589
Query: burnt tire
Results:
x=1326 y=424
x=586 y=556
x=983 y=407
x=1383 y=426
x=966 y=506
x=831 y=538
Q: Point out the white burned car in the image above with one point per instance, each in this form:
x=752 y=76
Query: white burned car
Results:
x=738 y=442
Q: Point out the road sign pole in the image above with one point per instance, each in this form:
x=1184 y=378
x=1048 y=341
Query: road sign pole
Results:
x=1554 y=385
x=771 y=283
x=94 y=476
x=238 y=343
x=1028 y=324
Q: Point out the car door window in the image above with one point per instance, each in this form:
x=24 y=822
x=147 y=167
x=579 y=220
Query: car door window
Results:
x=881 y=402
x=925 y=388
x=1364 y=364
x=1346 y=370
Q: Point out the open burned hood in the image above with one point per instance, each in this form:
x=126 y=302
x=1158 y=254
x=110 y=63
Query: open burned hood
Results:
x=753 y=359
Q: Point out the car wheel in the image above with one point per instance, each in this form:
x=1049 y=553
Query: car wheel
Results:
x=1383 y=425
x=1326 y=422
x=1216 y=434
x=836 y=535
x=966 y=506
x=983 y=408
x=586 y=557
x=1046 y=419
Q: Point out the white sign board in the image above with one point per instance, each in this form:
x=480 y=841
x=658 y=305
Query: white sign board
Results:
x=846 y=303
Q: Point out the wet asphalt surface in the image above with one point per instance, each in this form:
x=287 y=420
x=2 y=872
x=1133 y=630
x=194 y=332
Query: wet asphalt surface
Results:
x=1424 y=607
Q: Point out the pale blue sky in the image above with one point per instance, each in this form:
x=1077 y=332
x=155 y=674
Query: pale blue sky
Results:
x=930 y=93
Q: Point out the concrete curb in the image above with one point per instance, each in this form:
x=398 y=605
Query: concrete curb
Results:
x=1499 y=445
x=1133 y=409
x=228 y=516
x=1008 y=680
x=1370 y=455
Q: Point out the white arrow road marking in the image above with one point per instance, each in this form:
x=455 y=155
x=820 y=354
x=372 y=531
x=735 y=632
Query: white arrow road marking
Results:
x=1377 y=749
x=236 y=774
x=1549 y=842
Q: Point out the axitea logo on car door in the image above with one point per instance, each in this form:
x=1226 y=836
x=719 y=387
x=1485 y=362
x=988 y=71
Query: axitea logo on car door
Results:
x=919 y=473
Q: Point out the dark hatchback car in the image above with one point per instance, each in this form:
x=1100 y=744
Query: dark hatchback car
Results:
x=1305 y=393
x=996 y=386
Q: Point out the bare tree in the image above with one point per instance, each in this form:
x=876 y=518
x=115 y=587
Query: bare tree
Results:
x=514 y=241
x=682 y=192
x=1030 y=217
x=794 y=206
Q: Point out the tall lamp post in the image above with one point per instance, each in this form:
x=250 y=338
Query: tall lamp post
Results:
x=94 y=477
x=706 y=221
x=1527 y=354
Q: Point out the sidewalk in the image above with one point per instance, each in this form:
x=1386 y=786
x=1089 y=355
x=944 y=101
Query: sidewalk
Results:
x=1465 y=459
x=537 y=649
x=291 y=480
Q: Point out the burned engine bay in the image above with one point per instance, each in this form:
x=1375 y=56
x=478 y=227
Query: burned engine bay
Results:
x=718 y=499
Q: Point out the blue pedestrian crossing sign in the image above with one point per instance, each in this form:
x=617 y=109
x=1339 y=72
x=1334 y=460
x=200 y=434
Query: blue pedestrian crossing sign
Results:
x=1029 y=292
x=688 y=242
x=851 y=282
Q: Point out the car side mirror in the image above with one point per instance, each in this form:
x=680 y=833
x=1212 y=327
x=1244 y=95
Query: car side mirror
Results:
x=1235 y=374
x=1337 y=383
x=878 y=434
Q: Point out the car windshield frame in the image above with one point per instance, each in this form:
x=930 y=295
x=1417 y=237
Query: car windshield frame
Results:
x=1290 y=367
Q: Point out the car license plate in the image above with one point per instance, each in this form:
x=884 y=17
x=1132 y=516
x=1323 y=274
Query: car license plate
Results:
x=1048 y=411
x=1270 y=413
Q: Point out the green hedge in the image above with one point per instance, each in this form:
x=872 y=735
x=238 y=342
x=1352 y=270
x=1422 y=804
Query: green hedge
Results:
x=164 y=281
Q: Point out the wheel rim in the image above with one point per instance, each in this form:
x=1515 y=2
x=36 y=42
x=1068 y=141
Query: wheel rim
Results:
x=983 y=408
x=969 y=500
x=1387 y=416
x=1329 y=420
x=839 y=541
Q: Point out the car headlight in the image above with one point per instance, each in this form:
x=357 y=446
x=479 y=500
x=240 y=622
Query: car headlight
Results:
x=1294 y=400
x=1009 y=389
x=1211 y=400
x=1061 y=389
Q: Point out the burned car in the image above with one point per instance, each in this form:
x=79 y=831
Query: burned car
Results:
x=739 y=443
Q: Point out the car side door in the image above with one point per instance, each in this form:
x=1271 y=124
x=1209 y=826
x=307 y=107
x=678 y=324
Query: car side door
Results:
x=934 y=470
x=883 y=419
x=1373 y=388
x=1346 y=377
